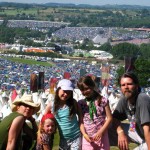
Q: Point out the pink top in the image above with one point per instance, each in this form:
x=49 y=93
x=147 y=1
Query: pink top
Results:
x=92 y=126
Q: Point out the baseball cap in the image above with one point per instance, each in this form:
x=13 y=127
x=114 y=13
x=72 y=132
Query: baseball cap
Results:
x=65 y=84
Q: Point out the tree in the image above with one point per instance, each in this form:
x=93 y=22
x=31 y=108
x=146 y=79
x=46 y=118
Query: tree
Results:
x=106 y=47
x=142 y=70
x=29 y=42
x=145 y=50
x=121 y=50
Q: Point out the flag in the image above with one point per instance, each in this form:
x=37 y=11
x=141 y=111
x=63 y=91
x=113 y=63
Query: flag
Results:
x=67 y=75
x=41 y=81
x=53 y=84
x=14 y=95
x=82 y=72
x=105 y=74
x=129 y=64
x=33 y=83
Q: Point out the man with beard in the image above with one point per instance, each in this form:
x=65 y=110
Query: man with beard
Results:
x=134 y=106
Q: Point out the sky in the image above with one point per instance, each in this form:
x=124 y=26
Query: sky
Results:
x=91 y=2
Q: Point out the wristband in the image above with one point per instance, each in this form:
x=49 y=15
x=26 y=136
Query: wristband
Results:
x=85 y=135
x=120 y=131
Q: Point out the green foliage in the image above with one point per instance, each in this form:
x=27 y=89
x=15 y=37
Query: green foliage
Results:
x=121 y=50
x=106 y=47
x=120 y=71
x=81 y=55
x=110 y=16
x=6 y=35
x=145 y=50
x=142 y=70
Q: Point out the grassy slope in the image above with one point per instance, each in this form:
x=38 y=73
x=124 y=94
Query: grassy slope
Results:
x=29 y=61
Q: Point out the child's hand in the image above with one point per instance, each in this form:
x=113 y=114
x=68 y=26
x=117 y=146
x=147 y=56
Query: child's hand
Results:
x=97 y=136
x=87 y=138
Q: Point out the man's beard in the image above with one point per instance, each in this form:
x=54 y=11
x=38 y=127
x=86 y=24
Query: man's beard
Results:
x=130 y=93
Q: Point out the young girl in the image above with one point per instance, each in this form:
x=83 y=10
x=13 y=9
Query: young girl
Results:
x=96 y=116
x=47 y=128
x=65 y=109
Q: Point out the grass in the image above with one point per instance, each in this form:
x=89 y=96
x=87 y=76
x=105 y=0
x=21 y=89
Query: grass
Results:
x=29 y=61
x=13 y=11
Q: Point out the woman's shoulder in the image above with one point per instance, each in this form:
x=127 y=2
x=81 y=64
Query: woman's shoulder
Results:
x=19 y=117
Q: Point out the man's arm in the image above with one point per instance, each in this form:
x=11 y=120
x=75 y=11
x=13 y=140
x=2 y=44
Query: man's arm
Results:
x=123 y=143
x=146 y=129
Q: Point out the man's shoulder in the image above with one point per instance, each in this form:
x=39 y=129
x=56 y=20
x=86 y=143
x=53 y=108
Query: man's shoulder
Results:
x=143 y=99
x=122 y=100
x=143 y=96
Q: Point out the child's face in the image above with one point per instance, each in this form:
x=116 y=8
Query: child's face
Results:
x=64 y=95
x=86 y=91
x=49 y=126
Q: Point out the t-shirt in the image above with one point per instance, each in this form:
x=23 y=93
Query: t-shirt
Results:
x=142 y=112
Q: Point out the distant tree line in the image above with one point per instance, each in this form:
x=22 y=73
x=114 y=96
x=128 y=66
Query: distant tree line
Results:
x=119 y=16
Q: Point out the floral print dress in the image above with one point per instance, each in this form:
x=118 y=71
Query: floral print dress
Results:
x=92 y=126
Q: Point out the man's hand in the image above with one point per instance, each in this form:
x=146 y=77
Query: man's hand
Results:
x=123 y=143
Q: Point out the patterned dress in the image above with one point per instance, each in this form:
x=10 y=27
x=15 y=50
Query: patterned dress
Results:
x=44 y=141
x=92 y=126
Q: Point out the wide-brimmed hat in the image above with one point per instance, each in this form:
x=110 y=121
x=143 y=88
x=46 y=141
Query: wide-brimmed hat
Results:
x=28 y=100
x=65 y=84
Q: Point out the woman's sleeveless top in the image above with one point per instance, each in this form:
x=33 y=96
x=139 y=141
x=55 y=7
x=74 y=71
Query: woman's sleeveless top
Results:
x=4 y=129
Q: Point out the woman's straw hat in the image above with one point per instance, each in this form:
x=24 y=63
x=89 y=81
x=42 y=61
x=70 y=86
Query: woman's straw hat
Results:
x=28 y=100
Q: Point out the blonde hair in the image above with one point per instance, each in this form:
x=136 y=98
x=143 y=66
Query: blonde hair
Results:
x=41 y=125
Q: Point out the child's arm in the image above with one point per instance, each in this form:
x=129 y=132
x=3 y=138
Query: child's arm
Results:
x=47 y=109
x=106 y=124
x=82 y=129
x=46 y=147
